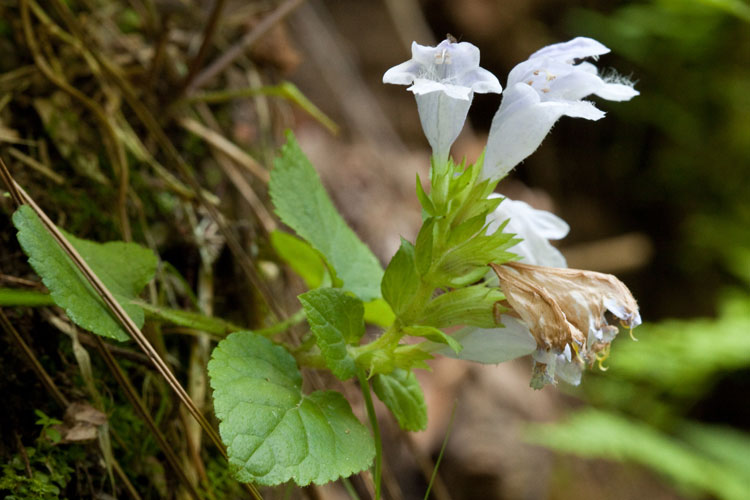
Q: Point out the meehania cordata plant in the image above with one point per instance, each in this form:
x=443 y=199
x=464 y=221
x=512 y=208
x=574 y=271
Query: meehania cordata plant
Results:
x=481 y=282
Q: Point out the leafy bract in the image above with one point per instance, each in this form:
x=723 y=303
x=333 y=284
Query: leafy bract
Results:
x=273 y=432
x=336 y=319
x=401 y=393
x=433 y=334
x=303 y=204
x=474 y=305
x=124 y=268
x=401 y=280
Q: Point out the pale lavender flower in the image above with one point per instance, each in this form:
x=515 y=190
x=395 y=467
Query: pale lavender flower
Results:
x=550 y=84
x=443 y=80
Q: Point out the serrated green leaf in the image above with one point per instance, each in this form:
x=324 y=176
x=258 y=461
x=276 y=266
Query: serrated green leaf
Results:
x=336 y=319
x=301 y=257
x=303 y=204
x=475 y=253
x=474 y=305
x=273 y=432
x=401 y=393
x=435 y=335
x=400 y=281
x=466 y=230
x=124 y=268
x=378 y=312
x=423 y=246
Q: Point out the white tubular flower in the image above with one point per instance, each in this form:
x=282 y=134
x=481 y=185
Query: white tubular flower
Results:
x=443 y=80
x=534 y=227
x=540 y=90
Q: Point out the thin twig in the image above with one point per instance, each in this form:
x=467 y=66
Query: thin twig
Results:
x=44 y=377
x=228 y=57
x=208 y=34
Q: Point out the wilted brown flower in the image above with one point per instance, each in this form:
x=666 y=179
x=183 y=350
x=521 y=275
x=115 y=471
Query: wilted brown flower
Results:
x=566 y=312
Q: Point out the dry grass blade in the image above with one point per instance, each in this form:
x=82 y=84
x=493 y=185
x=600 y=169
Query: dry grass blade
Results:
x=36 y=165
x=225 y=146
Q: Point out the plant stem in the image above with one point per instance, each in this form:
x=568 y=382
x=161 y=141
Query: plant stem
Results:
x=364 y=386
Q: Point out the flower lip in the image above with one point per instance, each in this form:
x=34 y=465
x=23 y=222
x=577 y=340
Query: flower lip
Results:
x=449 y=67
x=556 y=72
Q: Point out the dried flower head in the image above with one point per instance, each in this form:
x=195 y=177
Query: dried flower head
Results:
x=566 y=311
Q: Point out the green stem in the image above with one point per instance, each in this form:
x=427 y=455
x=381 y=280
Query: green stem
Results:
x=10 y=297
x=364 y=386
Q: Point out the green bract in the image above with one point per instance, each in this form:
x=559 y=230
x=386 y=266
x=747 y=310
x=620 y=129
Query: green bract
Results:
x=273 y=432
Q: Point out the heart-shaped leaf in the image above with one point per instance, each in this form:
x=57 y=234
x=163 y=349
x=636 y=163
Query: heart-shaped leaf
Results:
x=273 y=432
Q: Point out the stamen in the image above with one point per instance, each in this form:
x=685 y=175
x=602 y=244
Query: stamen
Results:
x=631 y=335
x=601 y=357
x=443 y=57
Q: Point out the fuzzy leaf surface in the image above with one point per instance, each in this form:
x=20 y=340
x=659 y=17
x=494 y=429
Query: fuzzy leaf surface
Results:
x=401 y=393
x=273 y=432
x=303 y=204
x=336 y=319
x=124 y=268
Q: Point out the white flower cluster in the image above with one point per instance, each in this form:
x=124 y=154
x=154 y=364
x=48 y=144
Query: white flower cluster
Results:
x=564 y=330
x=548 y=85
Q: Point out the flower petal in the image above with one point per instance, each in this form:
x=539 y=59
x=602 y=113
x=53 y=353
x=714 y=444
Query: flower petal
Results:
x=493 y=345
x=534 y=227
x=402 y=74
x=522 y=123
x=442 y=119
x=577 y=48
